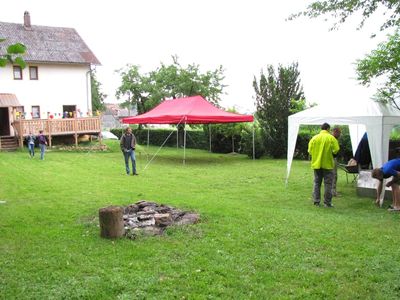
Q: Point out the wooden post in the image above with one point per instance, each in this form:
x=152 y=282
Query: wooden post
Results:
x=20 y=127
x=49 y=131
x=21 y=141
x=76 y=134
x=100 y=138
x=111 y=222
x=98 y=126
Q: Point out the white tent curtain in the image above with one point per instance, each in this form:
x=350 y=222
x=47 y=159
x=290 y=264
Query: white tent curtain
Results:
x=376 y=119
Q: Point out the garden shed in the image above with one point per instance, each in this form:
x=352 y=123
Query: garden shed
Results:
x=375 y=118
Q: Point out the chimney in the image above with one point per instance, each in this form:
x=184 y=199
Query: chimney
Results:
x=27 y=21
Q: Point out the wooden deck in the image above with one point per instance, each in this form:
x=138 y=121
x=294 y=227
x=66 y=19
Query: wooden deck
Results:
x=54 y=127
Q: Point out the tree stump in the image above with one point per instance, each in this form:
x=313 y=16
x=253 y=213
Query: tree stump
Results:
x=111 y=222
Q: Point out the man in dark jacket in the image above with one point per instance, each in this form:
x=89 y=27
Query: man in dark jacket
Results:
x=42 y=144
x=128 y=145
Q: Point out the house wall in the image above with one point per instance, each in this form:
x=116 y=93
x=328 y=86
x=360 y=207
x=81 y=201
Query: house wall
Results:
x=57 y=85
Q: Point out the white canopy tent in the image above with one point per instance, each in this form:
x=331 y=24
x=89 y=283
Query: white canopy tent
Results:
x=376 y=119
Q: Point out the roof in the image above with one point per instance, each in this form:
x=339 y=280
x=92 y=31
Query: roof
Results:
x=189 y=110
x=7 y=100
x=48 y=44
x=351 y=113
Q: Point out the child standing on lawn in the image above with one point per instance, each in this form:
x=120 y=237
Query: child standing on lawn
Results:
x=42 y=144
x=31 y=144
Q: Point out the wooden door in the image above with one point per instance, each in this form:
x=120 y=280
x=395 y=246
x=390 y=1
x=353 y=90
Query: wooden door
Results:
x=4 y=122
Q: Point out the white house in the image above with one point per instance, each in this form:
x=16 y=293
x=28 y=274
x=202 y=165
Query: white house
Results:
x=55 y=83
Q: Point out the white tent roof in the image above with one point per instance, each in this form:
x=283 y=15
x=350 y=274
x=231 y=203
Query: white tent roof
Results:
x=375 y=118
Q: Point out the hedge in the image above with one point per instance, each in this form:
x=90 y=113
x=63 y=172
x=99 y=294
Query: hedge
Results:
x=196 y=139
x=301 y=150
x=199 y=139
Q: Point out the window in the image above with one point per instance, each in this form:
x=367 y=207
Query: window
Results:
x=19 y=112
x=69 y=111
x=17 y=70
x=35 y=112
x=33 y=73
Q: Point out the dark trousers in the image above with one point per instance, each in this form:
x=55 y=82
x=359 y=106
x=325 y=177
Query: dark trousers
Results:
x=327 y=176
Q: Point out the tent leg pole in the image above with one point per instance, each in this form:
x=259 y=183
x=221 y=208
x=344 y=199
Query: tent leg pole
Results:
x=148 y=137
x=209 y=131
x=177 y=137
x=254 y=144
x=184 y=144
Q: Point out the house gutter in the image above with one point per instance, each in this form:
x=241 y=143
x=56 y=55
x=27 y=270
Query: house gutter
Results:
x=88 y=93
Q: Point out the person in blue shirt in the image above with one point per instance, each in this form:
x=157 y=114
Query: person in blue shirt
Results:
x=389 y=169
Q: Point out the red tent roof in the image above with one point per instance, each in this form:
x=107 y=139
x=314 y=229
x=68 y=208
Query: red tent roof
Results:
x=190 y=110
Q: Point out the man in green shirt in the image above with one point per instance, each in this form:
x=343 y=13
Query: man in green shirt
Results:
x=322 y=147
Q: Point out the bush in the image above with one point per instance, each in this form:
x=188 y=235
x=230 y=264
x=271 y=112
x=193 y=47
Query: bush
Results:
x=117 y=131
x=246 y=143
x=225 y=138
x=221 y=140
x=301 y=150
x=196 y=139
x=305 y=135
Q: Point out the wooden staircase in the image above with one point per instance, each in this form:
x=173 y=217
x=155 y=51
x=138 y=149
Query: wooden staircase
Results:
x=8 y=143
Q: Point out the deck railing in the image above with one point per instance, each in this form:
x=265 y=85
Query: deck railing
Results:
x=54 y=127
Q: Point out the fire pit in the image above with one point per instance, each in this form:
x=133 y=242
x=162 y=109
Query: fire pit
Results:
x=142 y=218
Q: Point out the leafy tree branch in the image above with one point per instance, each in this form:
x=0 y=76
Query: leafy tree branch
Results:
x=12 y=54
x=341 y=10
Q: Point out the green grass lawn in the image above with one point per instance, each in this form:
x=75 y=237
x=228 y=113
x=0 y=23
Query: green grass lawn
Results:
x=257 y=239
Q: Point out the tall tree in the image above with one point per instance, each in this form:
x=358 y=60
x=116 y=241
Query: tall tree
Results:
x=341 y=10
x=382 y=63
x=135 y=89
x=12 y=54
x=168 y=81
x=277 y=96
x=97 y=96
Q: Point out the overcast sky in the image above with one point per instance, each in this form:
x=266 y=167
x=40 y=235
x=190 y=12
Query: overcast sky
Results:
x=242 y=36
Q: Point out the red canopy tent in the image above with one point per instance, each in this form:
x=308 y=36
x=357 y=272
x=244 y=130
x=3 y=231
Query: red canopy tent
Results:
x=188 y=110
